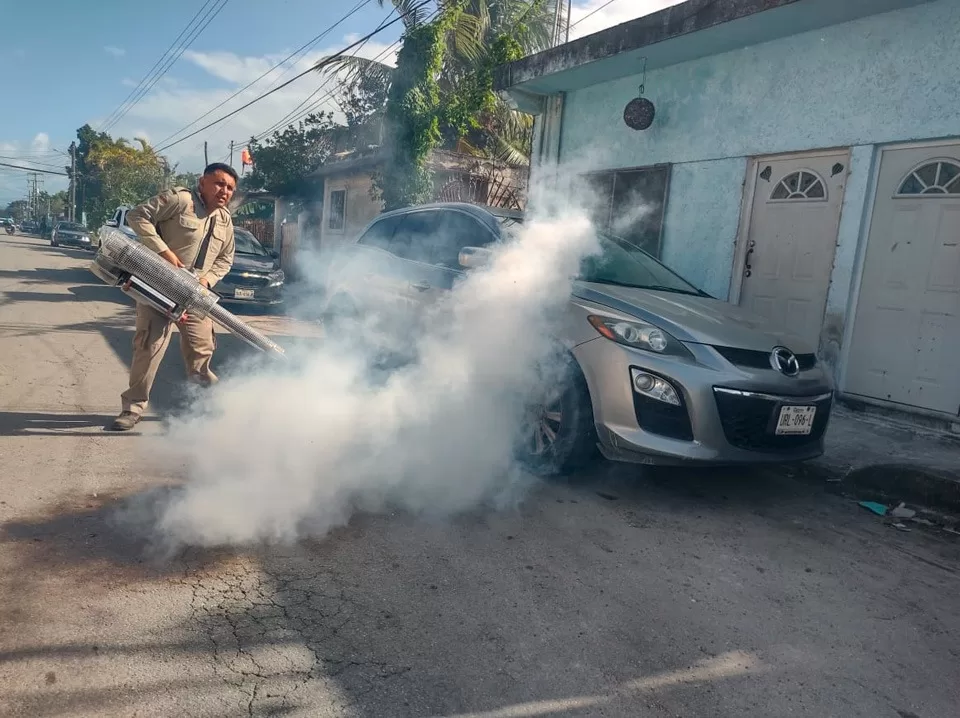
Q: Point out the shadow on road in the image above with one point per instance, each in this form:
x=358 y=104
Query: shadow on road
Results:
x=404 y=617
x=558 y=607
x=14 y=423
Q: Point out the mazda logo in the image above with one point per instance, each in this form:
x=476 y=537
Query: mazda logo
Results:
x=784 y=361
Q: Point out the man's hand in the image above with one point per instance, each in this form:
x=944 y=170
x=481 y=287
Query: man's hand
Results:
x=205 y=282
x=171 y=257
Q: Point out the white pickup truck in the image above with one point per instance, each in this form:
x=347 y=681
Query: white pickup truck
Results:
x=119 y=221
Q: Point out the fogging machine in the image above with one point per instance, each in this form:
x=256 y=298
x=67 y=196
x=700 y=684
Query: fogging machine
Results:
x=174 y=292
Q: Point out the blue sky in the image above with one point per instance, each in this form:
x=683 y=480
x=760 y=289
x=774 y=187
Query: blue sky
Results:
x=78 y=62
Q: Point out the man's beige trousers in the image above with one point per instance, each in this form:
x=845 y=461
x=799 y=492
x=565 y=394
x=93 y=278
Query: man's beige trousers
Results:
x=150 y=341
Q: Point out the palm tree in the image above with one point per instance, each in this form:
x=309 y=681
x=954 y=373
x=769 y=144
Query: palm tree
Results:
x=505 y=134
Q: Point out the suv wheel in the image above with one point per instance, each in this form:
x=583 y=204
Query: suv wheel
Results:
x=560 y=437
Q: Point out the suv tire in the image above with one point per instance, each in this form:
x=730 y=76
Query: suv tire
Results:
x=568 y=416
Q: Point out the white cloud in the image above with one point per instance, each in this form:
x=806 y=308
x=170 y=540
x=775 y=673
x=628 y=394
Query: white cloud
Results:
x=174 y=103
x=115 y=51
x=41 y=142
x=36 y=155
x=592 y=16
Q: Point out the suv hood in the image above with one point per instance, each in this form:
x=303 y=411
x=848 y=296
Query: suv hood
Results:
x=243 y=262
x=698 y=320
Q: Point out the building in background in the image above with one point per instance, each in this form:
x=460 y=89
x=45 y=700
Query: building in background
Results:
x=803 y=160
x=349 y=203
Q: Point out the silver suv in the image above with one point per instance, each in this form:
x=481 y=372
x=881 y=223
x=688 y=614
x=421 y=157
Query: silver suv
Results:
x=659 y=372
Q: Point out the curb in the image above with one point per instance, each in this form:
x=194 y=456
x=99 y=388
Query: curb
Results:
x=928 y=487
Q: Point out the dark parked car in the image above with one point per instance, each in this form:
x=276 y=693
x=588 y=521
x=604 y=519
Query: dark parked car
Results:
x=256 y=277
x=70 y=234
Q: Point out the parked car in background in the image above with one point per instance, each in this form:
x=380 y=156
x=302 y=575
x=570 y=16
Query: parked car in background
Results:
x=70 y=234
x=30 y=226
x=256 y=277
x=658 y=372
x=118 y=221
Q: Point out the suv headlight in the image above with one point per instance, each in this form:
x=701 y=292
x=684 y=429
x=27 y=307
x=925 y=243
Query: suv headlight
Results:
x=276 y=277
x=638 y=335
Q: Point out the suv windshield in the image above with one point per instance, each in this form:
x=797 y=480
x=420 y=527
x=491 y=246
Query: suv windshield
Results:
x=246 y=243
x=622 y=264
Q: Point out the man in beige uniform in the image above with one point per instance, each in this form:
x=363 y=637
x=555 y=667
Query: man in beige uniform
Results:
x=188 y=228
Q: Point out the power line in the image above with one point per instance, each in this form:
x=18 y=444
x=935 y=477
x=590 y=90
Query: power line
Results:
x=32 y=169
x=292 y=116
x=157 y=64
x=153 y=78
x=299 y=51
x=294 y=78
x=594 y=12
x=31 y=161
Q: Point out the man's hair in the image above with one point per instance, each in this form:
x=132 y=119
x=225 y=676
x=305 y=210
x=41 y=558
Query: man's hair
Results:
x=222 y=167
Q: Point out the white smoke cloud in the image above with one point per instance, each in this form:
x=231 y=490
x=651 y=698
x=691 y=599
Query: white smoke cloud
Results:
x=274 y=454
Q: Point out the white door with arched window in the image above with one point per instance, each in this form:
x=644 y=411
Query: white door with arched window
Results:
x=791 y=239
x=906 y=332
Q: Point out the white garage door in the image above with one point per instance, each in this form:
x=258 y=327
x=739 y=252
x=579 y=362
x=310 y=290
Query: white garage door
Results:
x=906 y=336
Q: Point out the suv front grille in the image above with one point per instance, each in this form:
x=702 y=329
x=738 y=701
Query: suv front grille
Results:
x=749 y=420
x=239 y=281
x=750 y=359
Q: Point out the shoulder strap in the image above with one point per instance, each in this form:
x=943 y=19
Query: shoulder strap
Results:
x=205 y=244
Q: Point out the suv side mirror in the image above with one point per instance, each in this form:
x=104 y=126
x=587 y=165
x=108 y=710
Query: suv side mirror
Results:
x=111 y=223
x=474 y=257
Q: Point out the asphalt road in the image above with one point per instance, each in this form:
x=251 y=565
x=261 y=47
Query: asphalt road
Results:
x=624 y=594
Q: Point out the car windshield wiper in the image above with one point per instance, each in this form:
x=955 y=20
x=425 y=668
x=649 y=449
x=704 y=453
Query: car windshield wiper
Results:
x=675 y=290
x=650 y=287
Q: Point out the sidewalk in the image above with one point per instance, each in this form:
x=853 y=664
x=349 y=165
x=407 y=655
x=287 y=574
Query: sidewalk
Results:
x=888 y=459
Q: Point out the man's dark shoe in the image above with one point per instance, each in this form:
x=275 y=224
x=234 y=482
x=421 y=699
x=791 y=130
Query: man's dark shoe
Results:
x=126 y=421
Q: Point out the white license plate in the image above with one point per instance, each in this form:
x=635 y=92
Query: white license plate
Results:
x=243 y=294
x=796 y=420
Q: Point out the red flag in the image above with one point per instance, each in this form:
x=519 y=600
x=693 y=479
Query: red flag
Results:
x=245 y=157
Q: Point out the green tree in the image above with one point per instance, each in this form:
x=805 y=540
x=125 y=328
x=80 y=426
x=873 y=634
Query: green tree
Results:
x=19 y=209
x=56 y=205
x=183 y=179
x=116 y=172
x=282 y=162
x=477 y=36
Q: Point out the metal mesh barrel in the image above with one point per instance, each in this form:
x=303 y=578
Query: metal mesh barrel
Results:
x=180 y=286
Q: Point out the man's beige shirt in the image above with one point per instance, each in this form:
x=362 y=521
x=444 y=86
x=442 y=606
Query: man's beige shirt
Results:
x=177 y=220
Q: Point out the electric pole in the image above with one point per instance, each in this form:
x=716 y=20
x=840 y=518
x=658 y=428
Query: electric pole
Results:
x=561 y=25
x=71 y=211
x=33 y=195
x=205 y=160
x=231 y=153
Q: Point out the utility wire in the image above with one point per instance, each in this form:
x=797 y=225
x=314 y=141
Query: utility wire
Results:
x=293 y=115
x=300 y=51
x=32 y=169
x=594 y=12
x=157 y=64
x=153 y=78
x=293 y=79
x=31 y=161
